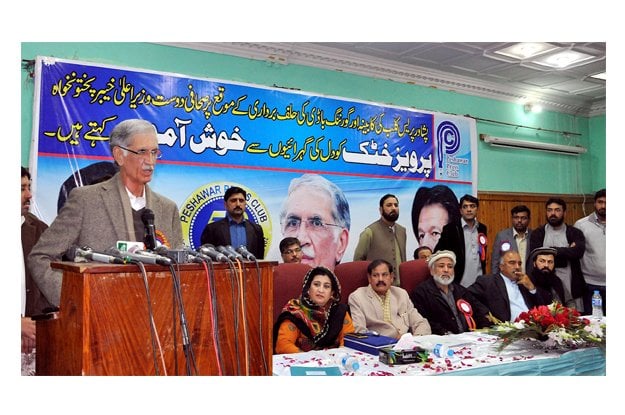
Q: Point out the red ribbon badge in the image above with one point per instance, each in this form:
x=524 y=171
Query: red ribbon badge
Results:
x=467 y=311
x=481 y=239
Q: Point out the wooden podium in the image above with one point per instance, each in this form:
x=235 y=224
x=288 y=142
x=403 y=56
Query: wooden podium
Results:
x=103 y=323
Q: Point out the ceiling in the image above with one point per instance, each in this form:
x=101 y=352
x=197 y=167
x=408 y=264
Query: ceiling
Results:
x=465 y=67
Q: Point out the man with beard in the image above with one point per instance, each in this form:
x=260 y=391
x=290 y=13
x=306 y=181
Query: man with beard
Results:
x=516 y=238
x=593 y=261
x=234 y=229
x=448 y=306
x=510 y=292
x=570 y=245
x=543 y=274
x=383 y=308
x=384 y=238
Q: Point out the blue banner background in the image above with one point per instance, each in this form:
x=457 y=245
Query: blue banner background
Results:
x=215 y=133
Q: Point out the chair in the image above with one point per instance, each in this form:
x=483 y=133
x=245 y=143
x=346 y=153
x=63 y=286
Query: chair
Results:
x=413 y=273
x=287 y=284
x=351 y=275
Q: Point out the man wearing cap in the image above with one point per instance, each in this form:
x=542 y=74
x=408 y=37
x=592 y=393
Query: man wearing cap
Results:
x=448 y=306
x=543 y=272
x=510 y=292
x=384 y=308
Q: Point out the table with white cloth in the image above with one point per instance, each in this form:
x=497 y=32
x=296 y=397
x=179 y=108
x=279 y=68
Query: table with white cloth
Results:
x=475 y=353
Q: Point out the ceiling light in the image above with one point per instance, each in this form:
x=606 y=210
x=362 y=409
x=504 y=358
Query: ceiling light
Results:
x=535 y=108
x=526 y=50
x=563 y=59
x=599 y=76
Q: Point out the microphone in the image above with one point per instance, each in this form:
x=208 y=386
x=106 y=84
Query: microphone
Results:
x=231 y=254
x=195 y=256
x=140 y=256
x=209 y=250
x=234 y=252
x=246 y=254
x=87 y=253
x=149 y=236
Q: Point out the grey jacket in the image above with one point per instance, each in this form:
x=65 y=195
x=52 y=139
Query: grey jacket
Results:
x=96 y=216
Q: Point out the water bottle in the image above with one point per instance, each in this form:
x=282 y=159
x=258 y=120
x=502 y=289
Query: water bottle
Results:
x=597 y=305
x=349 y=362
x=438 y=349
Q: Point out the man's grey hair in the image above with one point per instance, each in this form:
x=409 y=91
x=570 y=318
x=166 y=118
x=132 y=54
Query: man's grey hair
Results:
x=120 y=136
x=340 y=207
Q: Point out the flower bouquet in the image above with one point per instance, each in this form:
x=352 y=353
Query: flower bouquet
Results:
x=554 y=324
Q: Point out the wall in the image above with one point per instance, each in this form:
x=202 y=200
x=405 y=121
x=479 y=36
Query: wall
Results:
x=499 y=169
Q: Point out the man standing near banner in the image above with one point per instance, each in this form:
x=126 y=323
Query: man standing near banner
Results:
x=317 y=213
x=234 y=229
x=467 y=239
x=99 y=215
x=384 y=238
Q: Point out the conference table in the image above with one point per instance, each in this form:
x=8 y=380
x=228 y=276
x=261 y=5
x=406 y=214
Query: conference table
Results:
x=475 y=353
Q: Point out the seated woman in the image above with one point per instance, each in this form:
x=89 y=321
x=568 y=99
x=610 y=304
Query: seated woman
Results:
x=315 y=321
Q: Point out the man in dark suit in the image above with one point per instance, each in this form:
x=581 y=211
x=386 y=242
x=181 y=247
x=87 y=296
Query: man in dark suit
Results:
x=234 y=229
x=510 y=292
x=516 y=238
x=448 y=306
x=467 y=239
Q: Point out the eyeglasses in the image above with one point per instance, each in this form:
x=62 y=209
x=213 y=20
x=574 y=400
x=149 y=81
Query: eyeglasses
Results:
x=156 y=153
x=314 y=224
x=292 y=251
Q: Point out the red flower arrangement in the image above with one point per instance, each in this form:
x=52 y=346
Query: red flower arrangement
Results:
x=554 y=324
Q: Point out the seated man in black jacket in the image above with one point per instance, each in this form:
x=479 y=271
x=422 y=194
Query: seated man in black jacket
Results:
x=510 y=292
x=448 y=306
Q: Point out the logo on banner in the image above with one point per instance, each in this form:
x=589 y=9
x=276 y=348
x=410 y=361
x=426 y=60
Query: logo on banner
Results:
x=448 y=140
x=448 y=143
x=206 y=205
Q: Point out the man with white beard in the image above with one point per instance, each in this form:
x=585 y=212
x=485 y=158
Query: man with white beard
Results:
x=448 y=306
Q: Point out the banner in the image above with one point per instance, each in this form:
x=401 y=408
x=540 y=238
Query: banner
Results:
x=214 y=134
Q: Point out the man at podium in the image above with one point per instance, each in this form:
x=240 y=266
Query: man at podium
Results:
x=99 y=215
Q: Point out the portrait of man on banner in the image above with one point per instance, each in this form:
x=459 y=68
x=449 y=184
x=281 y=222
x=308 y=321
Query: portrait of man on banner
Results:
x=316 y=212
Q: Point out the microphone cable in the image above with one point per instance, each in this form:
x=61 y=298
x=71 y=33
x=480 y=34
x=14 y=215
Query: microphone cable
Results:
x=260 y=315
x=211 y=307
x=187 y=347
x=235 y=314
x=242 y=303
x=153 y=331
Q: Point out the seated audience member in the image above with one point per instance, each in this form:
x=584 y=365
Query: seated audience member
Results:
x=291 y=250
x=316 y=320
x=439 y=299
x=510 y=292
x=422 y=252
x=544 y=274
x=383 y=308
